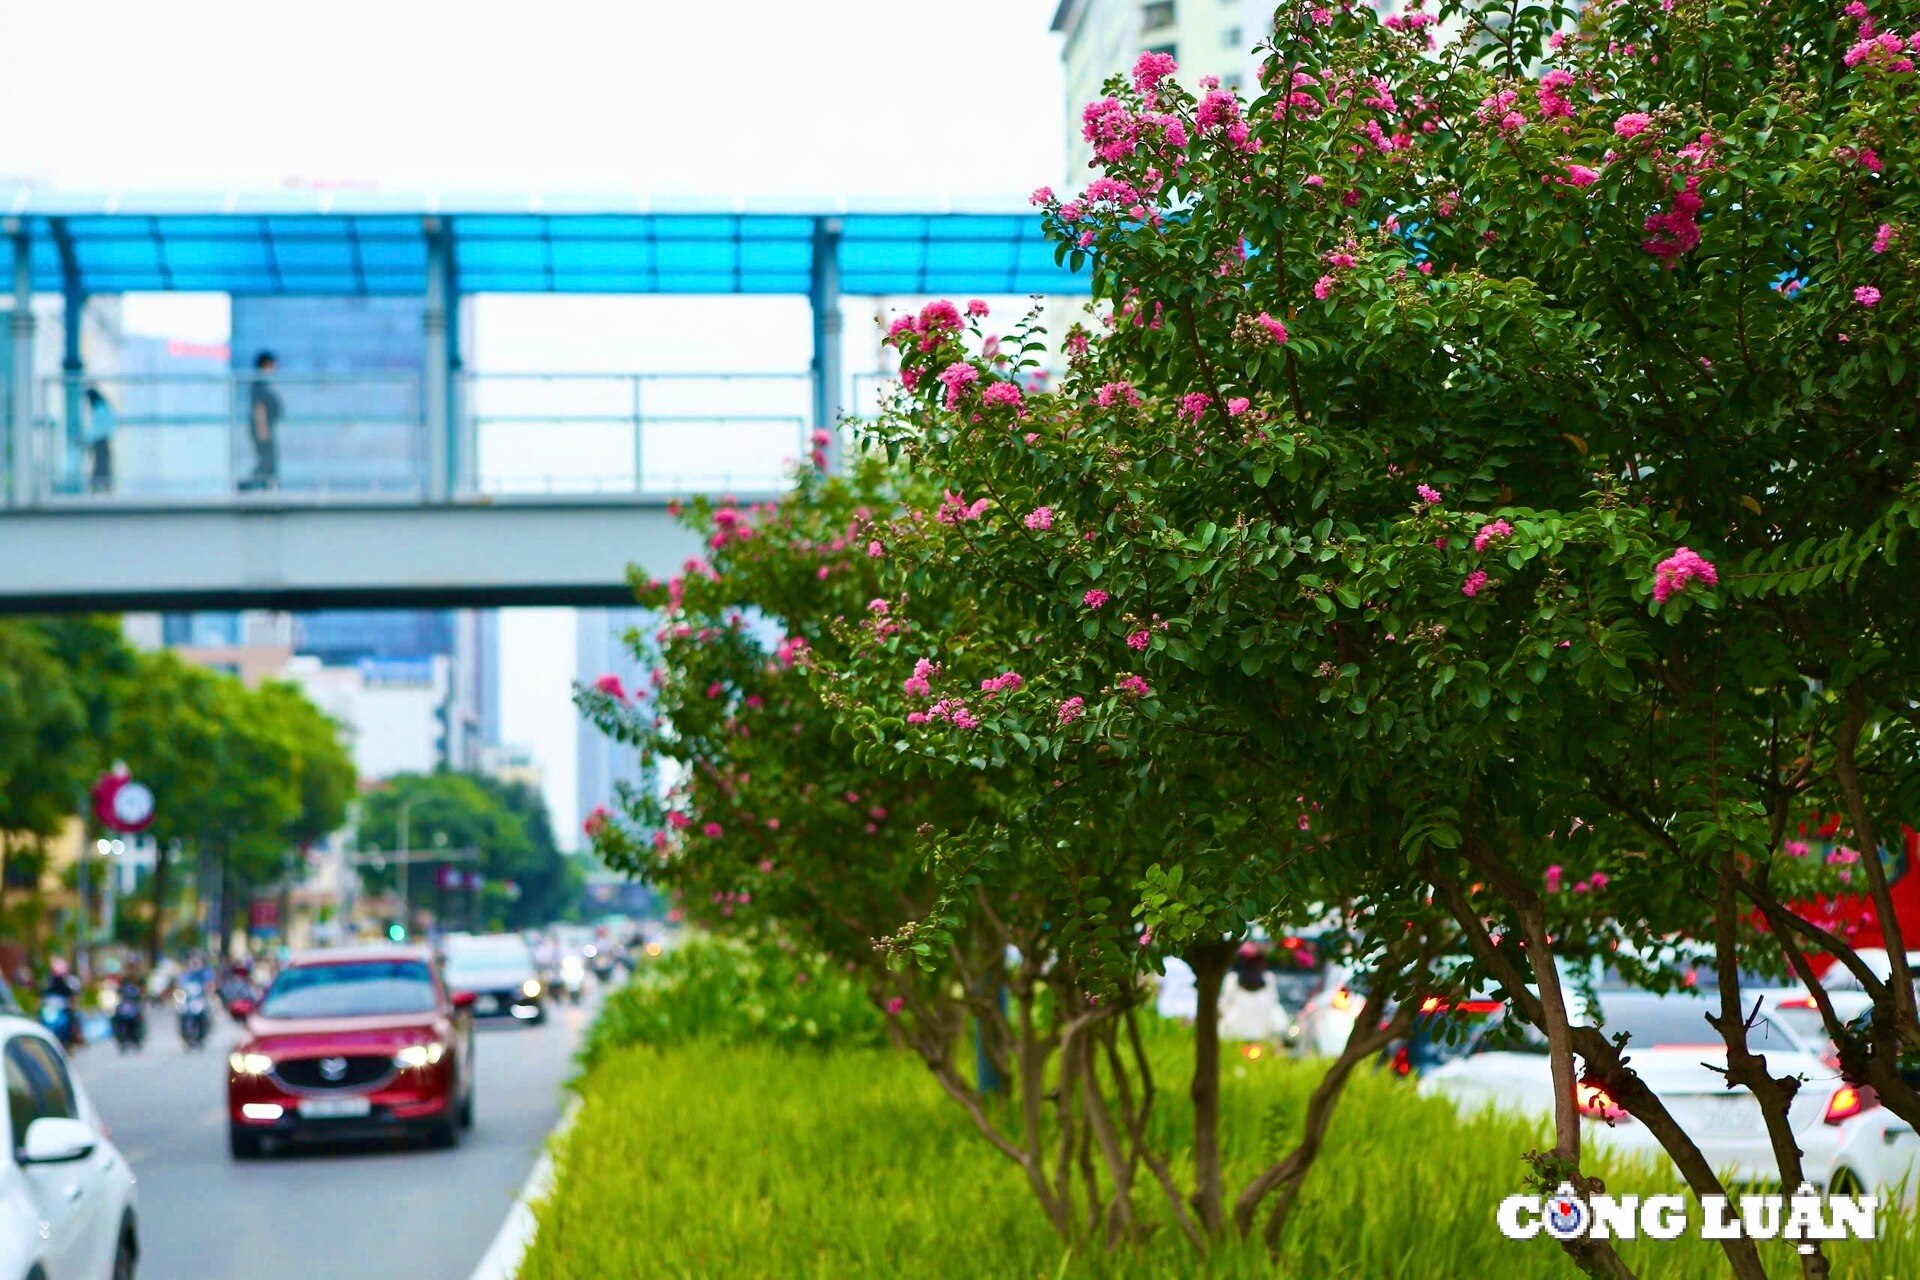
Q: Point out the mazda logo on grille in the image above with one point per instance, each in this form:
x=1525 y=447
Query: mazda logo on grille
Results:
x=333 y=1068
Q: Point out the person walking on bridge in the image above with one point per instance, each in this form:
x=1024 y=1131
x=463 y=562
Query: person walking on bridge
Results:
x=264 y=411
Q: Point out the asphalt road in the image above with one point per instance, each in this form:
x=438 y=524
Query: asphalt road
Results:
x=369 y=1212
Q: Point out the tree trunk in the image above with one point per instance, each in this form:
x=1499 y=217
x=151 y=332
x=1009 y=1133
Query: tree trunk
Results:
x=1210 y=965
x=1289 y=1175
x=1744 y=1067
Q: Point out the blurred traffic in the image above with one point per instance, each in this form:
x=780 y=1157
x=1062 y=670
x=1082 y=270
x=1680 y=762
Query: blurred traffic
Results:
x=365 y=1049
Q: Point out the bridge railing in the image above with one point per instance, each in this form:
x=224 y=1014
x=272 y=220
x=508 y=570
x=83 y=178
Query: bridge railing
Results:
x=632 y=433
x=363 y=437
x=189 y=438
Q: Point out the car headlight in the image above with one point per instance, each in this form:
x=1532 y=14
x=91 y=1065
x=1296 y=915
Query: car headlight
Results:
x=250 y=1064
x=530 y=988
x=420 y=1055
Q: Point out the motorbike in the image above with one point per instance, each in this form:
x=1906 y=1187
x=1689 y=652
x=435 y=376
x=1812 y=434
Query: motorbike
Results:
x=58 y=1015
x=234 y=988
x=573 y=978
x=190 y=1006
x=129 y=1019
x=603 y=962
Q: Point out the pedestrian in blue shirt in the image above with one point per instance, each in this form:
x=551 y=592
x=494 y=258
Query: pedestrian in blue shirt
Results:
x=98 y=437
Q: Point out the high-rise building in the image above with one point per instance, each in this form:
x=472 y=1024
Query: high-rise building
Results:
x=350 y=371
x=1103 y=37
x=601 y=649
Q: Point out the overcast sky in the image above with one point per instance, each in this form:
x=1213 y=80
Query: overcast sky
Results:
x=856 y=97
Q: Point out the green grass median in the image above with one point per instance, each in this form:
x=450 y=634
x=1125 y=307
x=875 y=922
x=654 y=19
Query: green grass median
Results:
x=749 y=1159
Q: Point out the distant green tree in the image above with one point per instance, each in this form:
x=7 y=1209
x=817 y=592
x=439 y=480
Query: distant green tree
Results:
x=506 y=823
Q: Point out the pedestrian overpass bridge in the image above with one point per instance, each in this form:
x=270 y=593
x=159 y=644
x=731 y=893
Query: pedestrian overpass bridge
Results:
x=447 y=485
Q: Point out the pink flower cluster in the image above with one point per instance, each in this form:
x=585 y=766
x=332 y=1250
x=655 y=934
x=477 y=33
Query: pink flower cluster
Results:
x=920 y=683
x=1884 y=52
x=1491 y=532
x=1220 y=110
x=791 y=650
x=1556 y=876
x=730 y=526
x=1039 y=519
x=1116 y=391
x=1072 y=709
x=610 y=685
x=1632 y=124
x=1006 y=681
x=1675 y=230
x=1678 y=571
x=597 y=820
x=956 y=378
x=1275 y=330
x=953 y=710
x=955 y=510
x=1194 y=404
x=1429 y=495
x=1866 y=295
x=1149 y=69
x=1095 y=598
x=1475 y=583
x=926 y=330
x=1001 y=393
x=1134 y=687
x=1883 y=238
x=1551 y=95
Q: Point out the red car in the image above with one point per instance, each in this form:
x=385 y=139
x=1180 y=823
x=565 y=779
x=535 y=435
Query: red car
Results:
x=352 y=1043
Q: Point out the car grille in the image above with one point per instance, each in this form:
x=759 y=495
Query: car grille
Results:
x=305 y=1074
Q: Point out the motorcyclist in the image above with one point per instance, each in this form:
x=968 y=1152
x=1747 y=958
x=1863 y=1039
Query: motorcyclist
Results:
x=129 y=1009
x=62 y=992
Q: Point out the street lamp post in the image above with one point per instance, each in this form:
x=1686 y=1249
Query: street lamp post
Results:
x=406 y=870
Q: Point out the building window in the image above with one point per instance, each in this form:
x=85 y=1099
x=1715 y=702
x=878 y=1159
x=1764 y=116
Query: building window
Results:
x=1232 y=37
x=1233 y=82
x=1170 y=50
x=1156 y=14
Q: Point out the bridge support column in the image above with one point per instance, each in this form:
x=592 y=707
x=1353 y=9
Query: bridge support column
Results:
x=461 y=445
x=73 y=368
x=829 y=379
x=435 y=408
x=20 y=385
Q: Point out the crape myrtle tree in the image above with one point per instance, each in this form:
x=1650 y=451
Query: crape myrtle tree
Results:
x=1508 y=435
x=916 y=876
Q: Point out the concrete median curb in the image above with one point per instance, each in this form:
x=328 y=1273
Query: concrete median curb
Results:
x=509 y=1248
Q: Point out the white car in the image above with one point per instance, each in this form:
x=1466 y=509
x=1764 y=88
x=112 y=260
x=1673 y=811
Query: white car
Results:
x=66 y=1194
x=1327 y=1017
x=1673 y=1047
x=1878 y=962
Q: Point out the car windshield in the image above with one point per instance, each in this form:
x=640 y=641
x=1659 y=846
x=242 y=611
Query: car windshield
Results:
x=1806 y=1024
x=1663 y=1023
x=364 y=988
x=475 y=955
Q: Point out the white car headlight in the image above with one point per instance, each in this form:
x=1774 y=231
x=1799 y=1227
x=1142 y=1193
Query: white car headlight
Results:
x=420 y=1055
x=530 y=988
x=250 y=1064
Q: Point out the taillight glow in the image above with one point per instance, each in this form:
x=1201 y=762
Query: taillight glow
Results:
x=1594 y=1101
x=1849 y=1101
x=1402 y=1062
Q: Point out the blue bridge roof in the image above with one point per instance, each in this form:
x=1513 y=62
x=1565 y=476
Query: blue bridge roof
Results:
x=364 y=243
